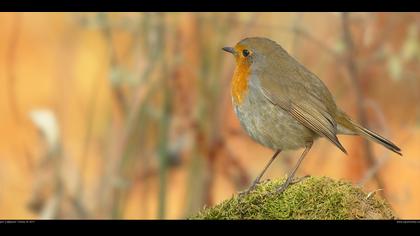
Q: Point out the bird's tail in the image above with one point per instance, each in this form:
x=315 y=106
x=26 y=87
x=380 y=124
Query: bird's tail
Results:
x=358 y=129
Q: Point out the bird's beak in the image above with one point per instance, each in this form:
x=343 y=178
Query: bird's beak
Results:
x=229 y=49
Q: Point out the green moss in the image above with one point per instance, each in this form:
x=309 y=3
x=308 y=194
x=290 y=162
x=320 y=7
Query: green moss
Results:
x=312 y=198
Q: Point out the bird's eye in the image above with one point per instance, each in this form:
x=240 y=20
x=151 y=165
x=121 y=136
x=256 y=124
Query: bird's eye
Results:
x=245 y=53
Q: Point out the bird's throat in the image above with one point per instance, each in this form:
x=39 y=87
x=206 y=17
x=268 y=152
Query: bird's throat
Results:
x=240 y=82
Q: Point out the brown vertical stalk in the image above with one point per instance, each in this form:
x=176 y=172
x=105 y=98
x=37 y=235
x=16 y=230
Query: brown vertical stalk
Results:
x=354 y=74
x=11 y=64
x=296 y=36
x=164 y=123
x=117 y=91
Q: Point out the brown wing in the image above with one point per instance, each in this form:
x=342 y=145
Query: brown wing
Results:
x=319 y=122
x=305 y=101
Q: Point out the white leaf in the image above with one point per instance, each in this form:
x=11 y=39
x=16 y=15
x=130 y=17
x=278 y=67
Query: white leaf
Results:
x=45 y=120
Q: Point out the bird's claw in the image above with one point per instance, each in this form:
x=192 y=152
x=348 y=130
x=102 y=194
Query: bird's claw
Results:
x=286 y=184
x=250 y=189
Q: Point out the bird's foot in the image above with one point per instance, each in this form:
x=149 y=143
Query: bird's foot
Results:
x=288 y=182
x=251 y=188
x=297 y=180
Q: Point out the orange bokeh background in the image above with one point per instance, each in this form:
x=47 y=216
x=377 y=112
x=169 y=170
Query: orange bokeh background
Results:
x=128 y=115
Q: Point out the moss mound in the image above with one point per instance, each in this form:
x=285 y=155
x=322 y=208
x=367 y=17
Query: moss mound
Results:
x=312 y=198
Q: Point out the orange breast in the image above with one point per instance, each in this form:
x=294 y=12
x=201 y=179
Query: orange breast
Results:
x=240 y=82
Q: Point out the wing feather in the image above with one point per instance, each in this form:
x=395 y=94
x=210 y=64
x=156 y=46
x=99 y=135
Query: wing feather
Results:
x=306 y=107
x=317 y=122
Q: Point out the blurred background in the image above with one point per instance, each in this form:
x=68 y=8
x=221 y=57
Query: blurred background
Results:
x=129 y=115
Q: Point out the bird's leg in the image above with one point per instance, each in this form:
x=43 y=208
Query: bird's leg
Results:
x=289 y=179
x=257 y=180
x=297 y=180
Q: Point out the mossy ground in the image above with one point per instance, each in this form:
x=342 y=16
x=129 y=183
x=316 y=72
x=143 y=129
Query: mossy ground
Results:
x=312 y=198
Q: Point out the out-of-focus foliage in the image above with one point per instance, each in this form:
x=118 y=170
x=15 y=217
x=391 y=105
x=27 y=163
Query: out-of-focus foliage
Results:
x=128 y=115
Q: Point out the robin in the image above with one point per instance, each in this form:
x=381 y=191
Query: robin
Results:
x=284 y=106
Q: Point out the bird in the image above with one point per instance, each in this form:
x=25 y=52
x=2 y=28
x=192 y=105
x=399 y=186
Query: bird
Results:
x=282 y=105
